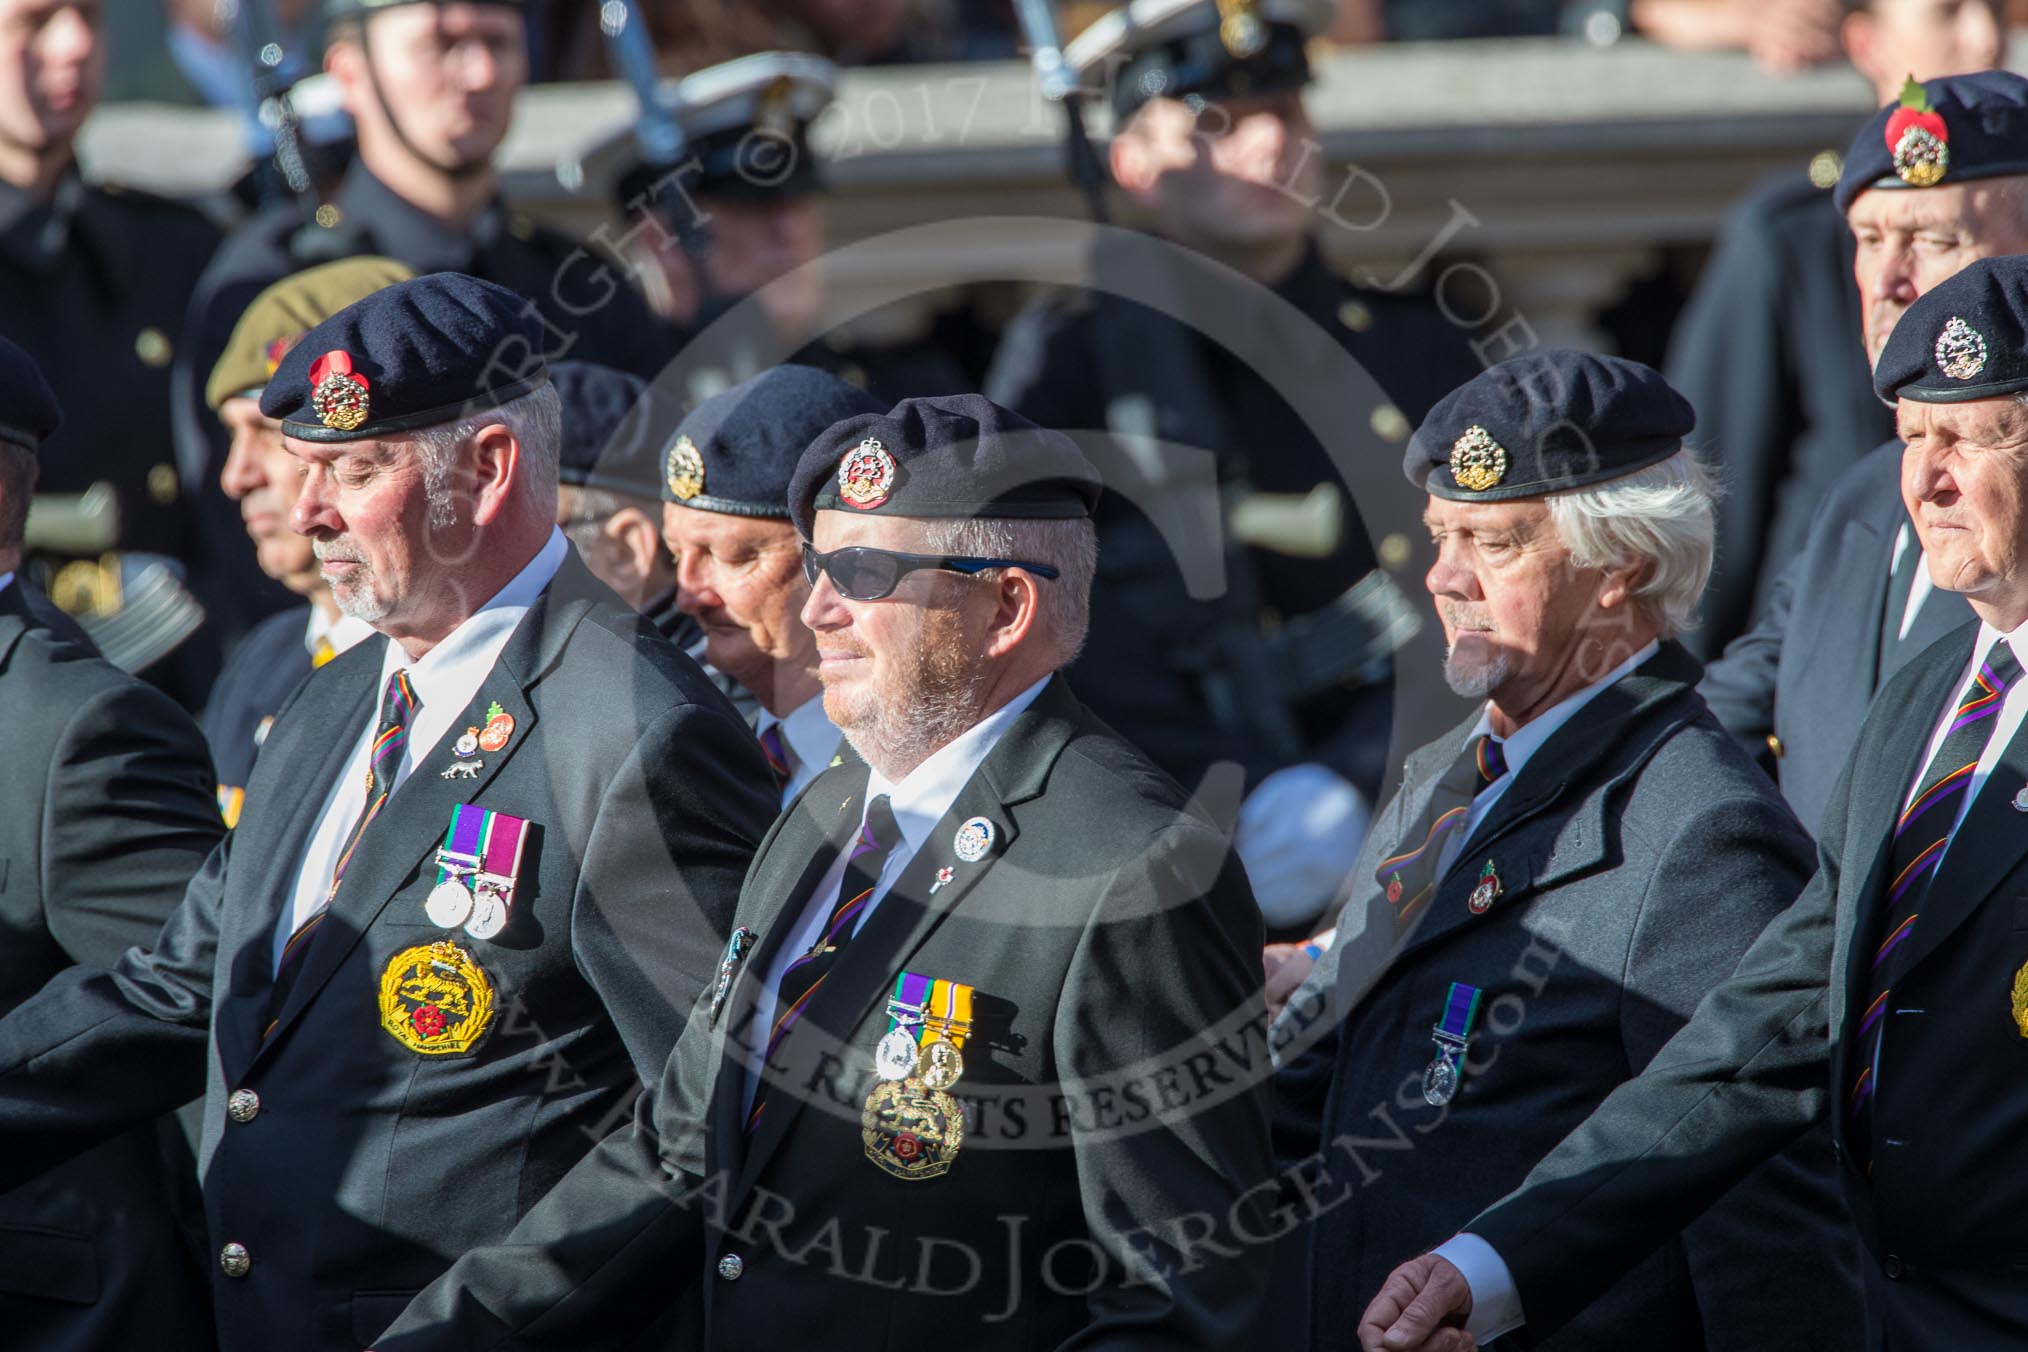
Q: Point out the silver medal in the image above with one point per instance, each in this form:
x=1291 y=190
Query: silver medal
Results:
x=895 y=1059
x=489 y=914
x=1440 y=1081
x=449 y=903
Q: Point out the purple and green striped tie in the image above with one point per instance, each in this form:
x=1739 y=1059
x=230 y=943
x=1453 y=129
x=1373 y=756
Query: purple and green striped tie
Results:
x=398 y=707
x=1920 y=836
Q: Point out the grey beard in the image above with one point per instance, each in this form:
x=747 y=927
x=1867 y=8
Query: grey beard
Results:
x=1476 y=680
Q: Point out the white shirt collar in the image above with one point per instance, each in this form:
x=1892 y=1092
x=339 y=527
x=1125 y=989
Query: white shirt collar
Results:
x=447 y=676
x=808 y=731
x=6 y=579
x=342 y=633
x=926 y=793
x=1529 y=737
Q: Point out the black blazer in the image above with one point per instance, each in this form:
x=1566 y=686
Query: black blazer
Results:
x=366 y=1168
x=1115 y=949
x=1775 y=1049
x=107 y=813
x=1638 y=856
x=1794 y=687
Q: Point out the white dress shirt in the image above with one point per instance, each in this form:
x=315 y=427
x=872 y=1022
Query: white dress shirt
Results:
x=810 y=735
x=1526 y=741
x=1496 y=1305
x=919 y=802
x=445 y=681
x=343 y=632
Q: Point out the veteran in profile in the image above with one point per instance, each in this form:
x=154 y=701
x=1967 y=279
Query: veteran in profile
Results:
x=944 y=1071
x=486 y=861
x=1559 y=881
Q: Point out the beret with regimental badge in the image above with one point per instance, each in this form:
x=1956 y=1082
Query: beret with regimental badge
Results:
x=959 y=455
x=435 y=349
x=28 y=411
x=1965 y=338
x=1949 y=130
x=1545 y=423
x=746 y=129
x=1210 y=49
x=609 y=435
x=286 y=311
x=737 y=452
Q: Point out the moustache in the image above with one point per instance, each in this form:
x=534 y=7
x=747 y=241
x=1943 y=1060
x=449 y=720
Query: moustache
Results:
x=327 y=551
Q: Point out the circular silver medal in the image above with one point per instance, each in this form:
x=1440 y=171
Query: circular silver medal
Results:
x=895 y=1059
x=467 y=744
x=449 y=903
x=489 y=914
x=942 y=1065
x=1440 y=1082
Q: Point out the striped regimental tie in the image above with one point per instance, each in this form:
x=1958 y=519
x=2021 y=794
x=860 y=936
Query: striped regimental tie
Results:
x=398 y=707
x=1410 y=877
x=1920 y=835
x=781 y=757
x=878 y=836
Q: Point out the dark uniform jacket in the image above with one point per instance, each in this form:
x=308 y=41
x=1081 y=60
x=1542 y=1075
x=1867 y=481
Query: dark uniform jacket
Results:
x=94 y=287
x=1637 y=854
x=351 y=1169
x=1793 y=687
x=1769 y=352
x=1117 y=974
x=1775 y=1049
x=255 y=683
x=1226 y=375
x=109 y=816
x=588 y=304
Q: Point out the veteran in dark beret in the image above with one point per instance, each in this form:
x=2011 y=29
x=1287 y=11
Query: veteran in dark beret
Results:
x=105 y=815
x=487 y=860
x=1559 y=881
x=260 y=474
x=739 y=559
x=1856 y=605
x=609 y=498
x=961 y=1042
x=1891 y=1000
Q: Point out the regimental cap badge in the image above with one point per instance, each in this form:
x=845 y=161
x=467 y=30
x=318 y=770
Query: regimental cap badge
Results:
x=272 y=356
x=1960 y=351
x=1240 y=28
x=684 y=470
x=866 y=475
x=1918 y=139
x=337 y=392
x=1477 y=461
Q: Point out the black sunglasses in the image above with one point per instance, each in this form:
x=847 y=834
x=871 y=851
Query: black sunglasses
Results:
x=861 y=573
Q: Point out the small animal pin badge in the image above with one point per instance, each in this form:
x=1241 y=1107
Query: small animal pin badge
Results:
x=464 y=769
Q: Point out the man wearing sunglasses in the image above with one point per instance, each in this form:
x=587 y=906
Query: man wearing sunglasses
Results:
x=725 y=519
x=955 y=1076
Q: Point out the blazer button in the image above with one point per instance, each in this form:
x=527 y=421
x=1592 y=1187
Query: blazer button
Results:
x=1892 y=1266
x=234 y=1260
x=730 y=1266
x=243 y=1106
x=1774 y=744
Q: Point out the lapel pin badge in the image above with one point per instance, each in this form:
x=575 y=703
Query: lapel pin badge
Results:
x=1487 y=892
x=464 y=769
x=2021 y=799
x=499 y=727
x=944 y=875
x=974 y=840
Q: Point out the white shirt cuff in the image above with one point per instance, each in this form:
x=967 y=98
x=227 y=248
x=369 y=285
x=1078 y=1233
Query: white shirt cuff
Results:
x=1496 y=1305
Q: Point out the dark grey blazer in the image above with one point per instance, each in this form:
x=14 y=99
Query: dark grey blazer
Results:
x=1113 y=1090
x=366 y=1168
x=107 y=815
x=1794 y=687
x=1775 y=1049
x=1638 y=856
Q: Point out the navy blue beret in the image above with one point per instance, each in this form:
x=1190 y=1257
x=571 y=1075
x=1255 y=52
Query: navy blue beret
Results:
x=430 y=350
x=958 y=455
x=1970 y=126
x=1544 y=423
x=1964 y=338
x=28 y=411
x=609 y=438
x=738 y=450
